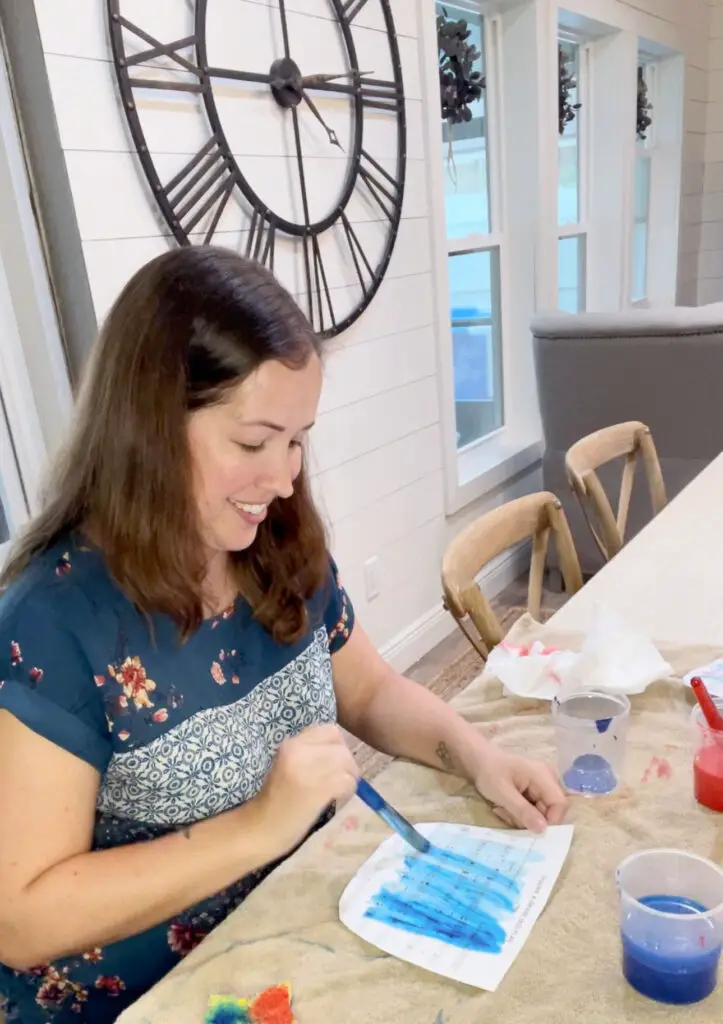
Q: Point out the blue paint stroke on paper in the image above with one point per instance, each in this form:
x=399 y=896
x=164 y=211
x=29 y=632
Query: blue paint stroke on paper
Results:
x=454 y=898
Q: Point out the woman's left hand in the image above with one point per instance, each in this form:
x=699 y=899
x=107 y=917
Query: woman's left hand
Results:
x=523 y=793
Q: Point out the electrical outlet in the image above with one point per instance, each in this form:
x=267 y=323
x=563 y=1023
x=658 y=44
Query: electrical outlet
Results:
x=371 y=577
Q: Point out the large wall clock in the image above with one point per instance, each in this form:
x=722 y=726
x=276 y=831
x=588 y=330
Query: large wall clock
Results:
x=275 y=128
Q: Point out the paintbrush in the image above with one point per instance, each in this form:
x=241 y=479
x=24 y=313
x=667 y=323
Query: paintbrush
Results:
x=392 y=817
x=707 y=705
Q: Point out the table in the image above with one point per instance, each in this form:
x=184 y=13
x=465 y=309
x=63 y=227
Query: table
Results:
x=666 y=581
x=569 y=971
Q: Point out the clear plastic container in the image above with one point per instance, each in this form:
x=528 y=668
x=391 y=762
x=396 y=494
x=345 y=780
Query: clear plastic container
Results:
x=671 y=924
x=707 y=760
x=590 y=736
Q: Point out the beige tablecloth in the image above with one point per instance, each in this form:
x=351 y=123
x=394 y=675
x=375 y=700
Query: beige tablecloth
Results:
x=569 y=970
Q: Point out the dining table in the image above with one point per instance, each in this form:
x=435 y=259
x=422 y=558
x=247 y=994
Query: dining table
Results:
x=665 y=582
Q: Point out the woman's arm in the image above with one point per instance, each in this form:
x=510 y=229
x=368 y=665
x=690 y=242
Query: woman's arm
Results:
x=398 y=716
x=58 y=899
x=402 y=718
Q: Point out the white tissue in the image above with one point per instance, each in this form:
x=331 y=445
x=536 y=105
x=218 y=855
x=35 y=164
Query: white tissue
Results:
x=613 y=658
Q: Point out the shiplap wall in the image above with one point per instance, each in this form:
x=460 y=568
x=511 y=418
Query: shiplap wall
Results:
x=711 y=214
x=377 y=448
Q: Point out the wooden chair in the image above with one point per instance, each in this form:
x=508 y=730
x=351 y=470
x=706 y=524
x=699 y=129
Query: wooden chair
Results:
x=534 y=518
x=633 y=441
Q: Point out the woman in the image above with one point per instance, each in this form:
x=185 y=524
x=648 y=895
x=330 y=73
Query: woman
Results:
x=176 y=649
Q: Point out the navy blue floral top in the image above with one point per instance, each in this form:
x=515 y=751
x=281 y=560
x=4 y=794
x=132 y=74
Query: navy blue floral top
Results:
x=179 y=732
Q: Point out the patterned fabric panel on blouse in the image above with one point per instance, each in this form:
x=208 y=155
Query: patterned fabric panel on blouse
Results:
x=178 y=733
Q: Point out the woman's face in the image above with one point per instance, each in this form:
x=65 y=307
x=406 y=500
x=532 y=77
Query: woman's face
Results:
x=246 y=450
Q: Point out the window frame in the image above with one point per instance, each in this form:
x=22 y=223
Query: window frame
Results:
x=579 y=229
x=474 y=470
x=35 y=392
x=493 y=241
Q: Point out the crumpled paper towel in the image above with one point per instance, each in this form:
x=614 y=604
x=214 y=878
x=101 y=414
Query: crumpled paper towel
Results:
x=613 y=658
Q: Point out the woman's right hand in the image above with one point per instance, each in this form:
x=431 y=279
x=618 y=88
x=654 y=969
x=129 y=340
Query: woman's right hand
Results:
x=310 y=771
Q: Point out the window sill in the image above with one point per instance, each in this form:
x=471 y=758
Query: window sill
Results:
x=489 y=465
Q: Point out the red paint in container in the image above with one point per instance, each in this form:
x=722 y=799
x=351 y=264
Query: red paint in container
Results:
x=708 y=776
x=708 y=761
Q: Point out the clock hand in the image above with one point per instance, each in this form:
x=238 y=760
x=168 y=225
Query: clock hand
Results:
x=329 y=131
x=239 y=76
x=311 y=81
x=284 y=27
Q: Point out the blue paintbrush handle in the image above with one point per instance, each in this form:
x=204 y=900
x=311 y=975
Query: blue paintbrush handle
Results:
x=392 y=817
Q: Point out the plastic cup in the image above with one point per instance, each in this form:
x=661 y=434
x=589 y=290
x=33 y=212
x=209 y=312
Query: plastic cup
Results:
x=707 y=760
x=590 y=735
x=671 y=924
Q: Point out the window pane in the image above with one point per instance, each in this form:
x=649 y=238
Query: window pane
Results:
x=464 y=150
x=642 y=187
x=640 y=230
x=478 y=397
x=568 y=151
x=571 y=274
x=640 y=262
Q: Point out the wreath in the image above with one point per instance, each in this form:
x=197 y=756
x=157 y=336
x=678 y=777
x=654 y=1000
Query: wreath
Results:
x=459 y=84
x=644 y=120
x=567 y=83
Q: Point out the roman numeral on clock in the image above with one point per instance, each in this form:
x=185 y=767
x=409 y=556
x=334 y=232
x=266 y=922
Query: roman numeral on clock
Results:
x=378 y=94
x=261 y=241
x=382 y=186
x=359 y=257
x=203 y=184
x=319 y=304
x=156 y=49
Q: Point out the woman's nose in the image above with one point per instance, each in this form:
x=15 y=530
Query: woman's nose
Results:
x=282 y=477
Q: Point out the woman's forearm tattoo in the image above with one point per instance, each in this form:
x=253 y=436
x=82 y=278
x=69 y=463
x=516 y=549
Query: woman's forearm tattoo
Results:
x=445 y=756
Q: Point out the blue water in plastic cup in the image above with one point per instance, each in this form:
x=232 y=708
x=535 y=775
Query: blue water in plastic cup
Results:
x=671 y=924
x=590 y=737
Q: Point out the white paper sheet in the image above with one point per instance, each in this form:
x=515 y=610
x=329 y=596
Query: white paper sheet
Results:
x=464 y=910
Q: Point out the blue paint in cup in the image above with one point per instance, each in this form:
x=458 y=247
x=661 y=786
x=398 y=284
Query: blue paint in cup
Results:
x=590 y=735
x=671 y=924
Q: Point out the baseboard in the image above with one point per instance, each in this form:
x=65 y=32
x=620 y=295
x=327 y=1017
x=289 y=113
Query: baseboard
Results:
x=435 y=625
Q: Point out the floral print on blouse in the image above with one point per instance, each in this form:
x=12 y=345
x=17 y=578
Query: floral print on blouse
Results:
x=178 y=732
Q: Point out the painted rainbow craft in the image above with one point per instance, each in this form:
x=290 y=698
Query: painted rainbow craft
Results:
x=273 y=1006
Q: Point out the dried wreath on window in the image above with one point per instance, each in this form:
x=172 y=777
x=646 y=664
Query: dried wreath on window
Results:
x=567 y=83
x=459 y=84
x=644 y=120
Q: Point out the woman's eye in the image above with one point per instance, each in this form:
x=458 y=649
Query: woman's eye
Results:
x=250 y=447
x=296 y=444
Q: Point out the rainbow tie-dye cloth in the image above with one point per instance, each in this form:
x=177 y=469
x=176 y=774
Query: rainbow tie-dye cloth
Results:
x=271 y=1007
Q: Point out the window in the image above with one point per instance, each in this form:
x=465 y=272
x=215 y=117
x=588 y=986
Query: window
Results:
x=643 y=172
x=476 y=344
x=13 y=503
x=570 y=194
x=473 y=261
x=571 y=273
x=640 y=228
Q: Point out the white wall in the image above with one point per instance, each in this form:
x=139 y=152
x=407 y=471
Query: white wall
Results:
x=711 y=213
x=377 y=447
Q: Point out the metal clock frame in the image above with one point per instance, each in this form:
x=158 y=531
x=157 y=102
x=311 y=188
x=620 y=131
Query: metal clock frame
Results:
x=264 y=222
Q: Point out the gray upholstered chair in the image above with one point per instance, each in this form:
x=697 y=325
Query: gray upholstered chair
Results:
x=664 y=368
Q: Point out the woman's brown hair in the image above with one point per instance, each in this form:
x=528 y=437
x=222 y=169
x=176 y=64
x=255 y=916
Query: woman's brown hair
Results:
x=190 y=325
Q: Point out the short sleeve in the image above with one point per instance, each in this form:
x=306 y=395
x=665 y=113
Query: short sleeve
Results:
x=46 y=680
x=338 y=613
